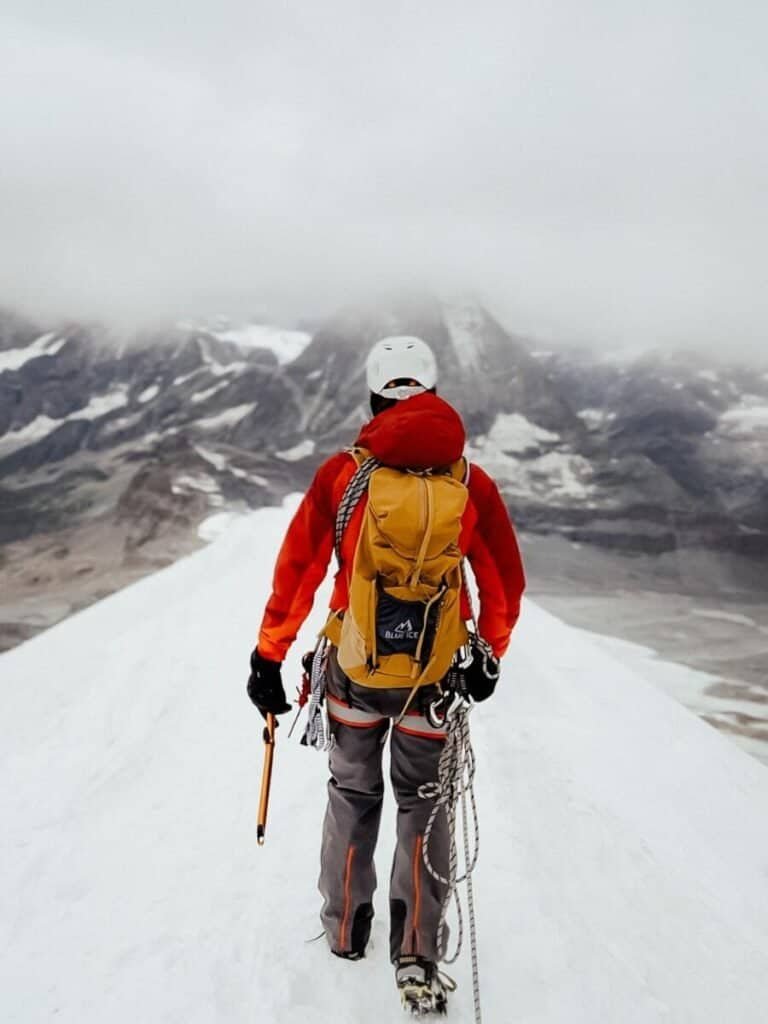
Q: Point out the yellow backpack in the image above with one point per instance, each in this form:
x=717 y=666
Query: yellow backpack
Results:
x=403 y=624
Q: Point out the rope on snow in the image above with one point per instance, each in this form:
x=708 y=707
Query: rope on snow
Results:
x=455 y=782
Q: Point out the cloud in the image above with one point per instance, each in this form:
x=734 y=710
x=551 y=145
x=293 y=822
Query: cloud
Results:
x=597 y=169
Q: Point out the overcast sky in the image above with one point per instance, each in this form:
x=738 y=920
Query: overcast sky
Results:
x=598 y=168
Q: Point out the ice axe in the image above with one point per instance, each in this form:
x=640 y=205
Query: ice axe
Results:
x=266 y=777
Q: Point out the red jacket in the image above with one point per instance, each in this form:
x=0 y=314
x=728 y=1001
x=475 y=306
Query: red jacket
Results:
x=417 y=433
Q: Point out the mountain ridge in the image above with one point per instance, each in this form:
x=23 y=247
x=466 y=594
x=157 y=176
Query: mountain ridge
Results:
x=655 y=456
x=621 y=873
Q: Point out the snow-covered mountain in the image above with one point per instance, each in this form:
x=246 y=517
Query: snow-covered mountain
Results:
x=622 y=874
x=112 y=451
x=702 y=426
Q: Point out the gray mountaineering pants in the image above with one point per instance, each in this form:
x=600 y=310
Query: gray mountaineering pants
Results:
x=360 y=721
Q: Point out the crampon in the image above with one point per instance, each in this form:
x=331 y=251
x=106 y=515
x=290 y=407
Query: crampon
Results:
x=423 y=988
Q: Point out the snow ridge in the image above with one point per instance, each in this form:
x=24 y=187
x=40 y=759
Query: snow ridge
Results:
x=622 y=867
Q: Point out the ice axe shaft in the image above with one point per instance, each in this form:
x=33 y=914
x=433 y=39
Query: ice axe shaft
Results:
x=266 y=777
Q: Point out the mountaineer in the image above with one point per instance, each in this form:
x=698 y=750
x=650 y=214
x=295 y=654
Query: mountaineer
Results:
x=402 y=509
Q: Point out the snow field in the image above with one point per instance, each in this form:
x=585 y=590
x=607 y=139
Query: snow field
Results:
x=42 y=425
x=623 y=873
x=287 y=345
x=46 y=345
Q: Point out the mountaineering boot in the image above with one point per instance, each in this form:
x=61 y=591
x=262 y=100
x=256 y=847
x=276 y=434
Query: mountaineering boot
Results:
x=352 y=954
x=423 y=989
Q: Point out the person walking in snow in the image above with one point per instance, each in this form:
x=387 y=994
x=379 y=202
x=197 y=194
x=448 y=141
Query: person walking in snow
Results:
x=402 y=508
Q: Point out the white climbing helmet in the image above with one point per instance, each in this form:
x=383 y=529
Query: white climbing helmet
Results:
x=401 y=358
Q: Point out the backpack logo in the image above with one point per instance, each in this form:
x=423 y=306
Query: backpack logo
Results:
x=403 y=631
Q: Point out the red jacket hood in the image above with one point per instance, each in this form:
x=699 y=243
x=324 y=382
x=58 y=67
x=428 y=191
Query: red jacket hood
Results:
x=418 y=433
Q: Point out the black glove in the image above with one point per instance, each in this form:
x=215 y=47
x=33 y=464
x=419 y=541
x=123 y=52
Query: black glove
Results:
x=482 y=673
x=265 y=686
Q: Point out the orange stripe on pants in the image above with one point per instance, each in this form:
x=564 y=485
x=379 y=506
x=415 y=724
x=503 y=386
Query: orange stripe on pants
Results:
x=416 y=893
x=344 y=928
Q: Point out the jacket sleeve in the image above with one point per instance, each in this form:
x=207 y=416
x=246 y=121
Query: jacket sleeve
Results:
x=302 y=563
x=495 y=558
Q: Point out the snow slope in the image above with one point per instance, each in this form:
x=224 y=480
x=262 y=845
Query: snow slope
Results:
x=46 y=345
x=99 y=405
x=286 y=345
x=623 y=875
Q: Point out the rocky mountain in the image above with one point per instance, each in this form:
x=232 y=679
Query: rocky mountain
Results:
x=113 y=450
x=688 y=437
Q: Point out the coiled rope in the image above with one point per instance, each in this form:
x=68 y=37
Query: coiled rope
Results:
x=354 y=491
x=316 y=734
x=455 y=782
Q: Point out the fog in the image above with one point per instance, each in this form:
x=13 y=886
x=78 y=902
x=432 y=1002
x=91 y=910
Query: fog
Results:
x=596 y=171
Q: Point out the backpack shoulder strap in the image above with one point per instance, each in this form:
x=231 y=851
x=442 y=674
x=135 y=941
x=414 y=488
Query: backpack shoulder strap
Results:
x=459 y=470
x=355 y=489
x=358 y=454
